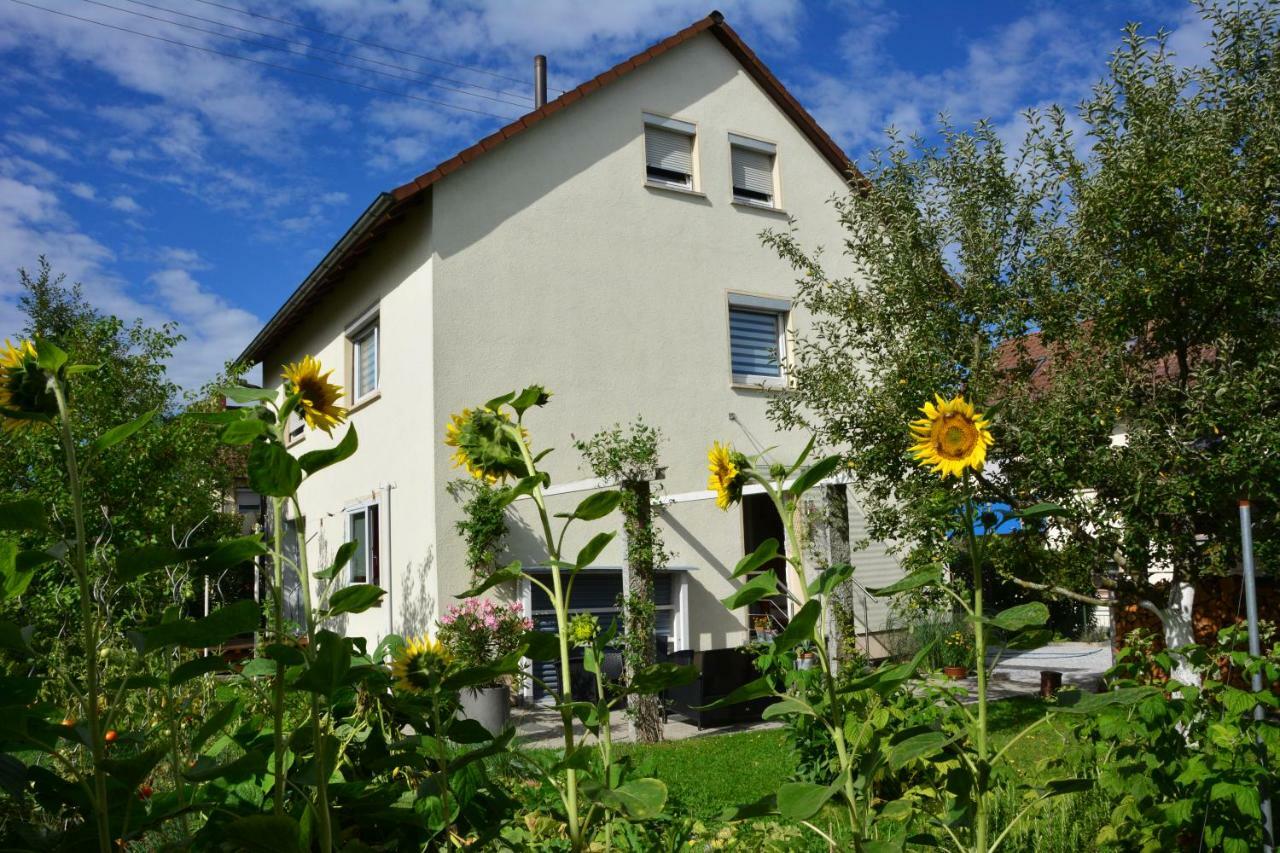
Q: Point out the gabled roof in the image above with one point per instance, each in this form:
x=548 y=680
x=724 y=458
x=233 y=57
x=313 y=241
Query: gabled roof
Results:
x=390 y=206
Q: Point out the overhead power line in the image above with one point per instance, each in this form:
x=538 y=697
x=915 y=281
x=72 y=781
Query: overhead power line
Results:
x=303 y=53
x=364 y=42
x=263 y=62
x=314 y=47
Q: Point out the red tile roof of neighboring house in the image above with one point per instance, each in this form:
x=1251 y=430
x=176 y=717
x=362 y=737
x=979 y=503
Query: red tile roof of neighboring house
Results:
x=390 y=206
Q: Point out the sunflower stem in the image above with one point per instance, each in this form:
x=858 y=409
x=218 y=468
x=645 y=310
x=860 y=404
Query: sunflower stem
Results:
x=88 y=618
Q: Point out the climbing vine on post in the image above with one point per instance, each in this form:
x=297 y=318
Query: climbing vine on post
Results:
x=629 y=457
x=483 y=526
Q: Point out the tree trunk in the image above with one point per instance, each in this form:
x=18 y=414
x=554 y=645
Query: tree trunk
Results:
x=1175 y=619
x=645 y=712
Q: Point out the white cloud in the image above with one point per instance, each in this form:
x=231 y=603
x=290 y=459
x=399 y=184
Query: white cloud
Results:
x=215 y=330
x=125 y=204
x=83 y=190
x=41 y=146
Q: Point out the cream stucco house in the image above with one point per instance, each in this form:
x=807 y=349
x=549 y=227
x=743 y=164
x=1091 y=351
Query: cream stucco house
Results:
x=607 y=246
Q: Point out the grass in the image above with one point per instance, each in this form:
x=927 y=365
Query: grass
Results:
x=704 y=775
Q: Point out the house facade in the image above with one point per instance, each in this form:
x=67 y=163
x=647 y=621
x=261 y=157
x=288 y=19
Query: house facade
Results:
x=606 y=246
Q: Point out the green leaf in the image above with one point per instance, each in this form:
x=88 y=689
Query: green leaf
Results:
x=534 y=395
x=800 y=628
x=927 y=576
x=272 y=471
x=1021 y=616
x=117 y=434
x=506 y=574
x=12 y=637
x=785 y=707
x=1058 y=787
x=244 y=394
x=131 y=772
x=1076 y=702
x=757 y=689
x=356 y=598
x=831 y=578
x=215 y=723
x=759 y=587
x=1041 y=510
x=244 y=430
x=195 y=668
x=1029 y=638
x=23 y=514
x=49 y=356
x=661 y=676
x=764 y=552
x=318 y=460
x=540 y=645
x=232 y=552
x=637 y=799
x=245 y=767
x=14 y=579
x=802 y=800
x=498 y=402
x=215 y=629
x=922 y=745
x=523 y=486
x=265 y=833
x=766 y=805
x=329 y=668
x=592 y=549
x=345 y=551
x=595 y=506
x=819 y=471
x=133 y=563
x=804 y=454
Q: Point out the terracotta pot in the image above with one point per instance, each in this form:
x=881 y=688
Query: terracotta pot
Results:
x=488 y=706
x=955 y=671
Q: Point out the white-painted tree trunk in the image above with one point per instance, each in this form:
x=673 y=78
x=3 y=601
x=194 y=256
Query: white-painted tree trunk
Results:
x=1175 y=618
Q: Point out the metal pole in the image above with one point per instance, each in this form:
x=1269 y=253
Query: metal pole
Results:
x=539 y=81
x=1255 y=650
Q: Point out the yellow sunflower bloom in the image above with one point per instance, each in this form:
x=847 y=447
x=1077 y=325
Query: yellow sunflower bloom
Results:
x=22 y=385
x=484 y=446
x=951 y=436
x=318 y=397
x=421 y=664
x=727 y=474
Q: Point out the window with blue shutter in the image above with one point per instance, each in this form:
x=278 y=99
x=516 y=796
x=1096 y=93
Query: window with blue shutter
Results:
x=757 y=337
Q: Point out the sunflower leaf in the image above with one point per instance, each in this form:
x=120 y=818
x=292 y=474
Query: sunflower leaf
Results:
x=318 y=460
x=764 y=552
x=273 y=471
x=818 y=472
x=506 y=574
x=119 y=433
x=244 y=394
x=759 y=587
x=927 y=576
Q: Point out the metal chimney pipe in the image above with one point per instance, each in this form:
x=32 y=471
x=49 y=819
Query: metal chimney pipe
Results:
x=539 y=81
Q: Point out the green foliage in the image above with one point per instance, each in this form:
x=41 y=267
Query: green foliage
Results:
x=483 y=526
x=631 y=457
x=1144 y=256
x=1189 y=767
x=153 y=478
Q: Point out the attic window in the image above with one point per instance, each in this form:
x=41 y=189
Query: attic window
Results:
x=668 y=151
x=753 y=167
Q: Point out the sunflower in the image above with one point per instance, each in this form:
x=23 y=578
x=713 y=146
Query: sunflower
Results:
x=24 y=387
x=421 y=664
x=583 y=628
x=318 y=397
x=728 y=474
x=951 y=436
x=484 y=445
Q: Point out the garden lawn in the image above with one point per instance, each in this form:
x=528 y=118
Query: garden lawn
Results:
x=705 y=775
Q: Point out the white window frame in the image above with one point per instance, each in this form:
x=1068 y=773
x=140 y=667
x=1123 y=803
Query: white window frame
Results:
x=737 y=140
x=781 y=309
x=354 y=332
x=674 y=125
x=348 y=519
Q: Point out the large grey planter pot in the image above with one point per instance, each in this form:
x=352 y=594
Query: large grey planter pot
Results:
x=488 y=706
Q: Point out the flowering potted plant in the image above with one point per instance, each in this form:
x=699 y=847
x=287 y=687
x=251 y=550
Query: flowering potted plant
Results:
x=479 y=633
x=956 y=651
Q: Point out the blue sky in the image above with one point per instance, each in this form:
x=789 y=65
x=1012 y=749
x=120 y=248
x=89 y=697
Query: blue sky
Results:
x=180 y=184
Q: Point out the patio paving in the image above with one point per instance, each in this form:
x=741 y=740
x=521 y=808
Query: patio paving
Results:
x=1015 y=674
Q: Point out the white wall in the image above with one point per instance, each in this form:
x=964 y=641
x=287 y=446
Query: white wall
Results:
x=394 y=463
x=554 y=263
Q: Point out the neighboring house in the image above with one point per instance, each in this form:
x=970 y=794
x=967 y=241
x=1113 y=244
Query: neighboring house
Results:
x=606 y=245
